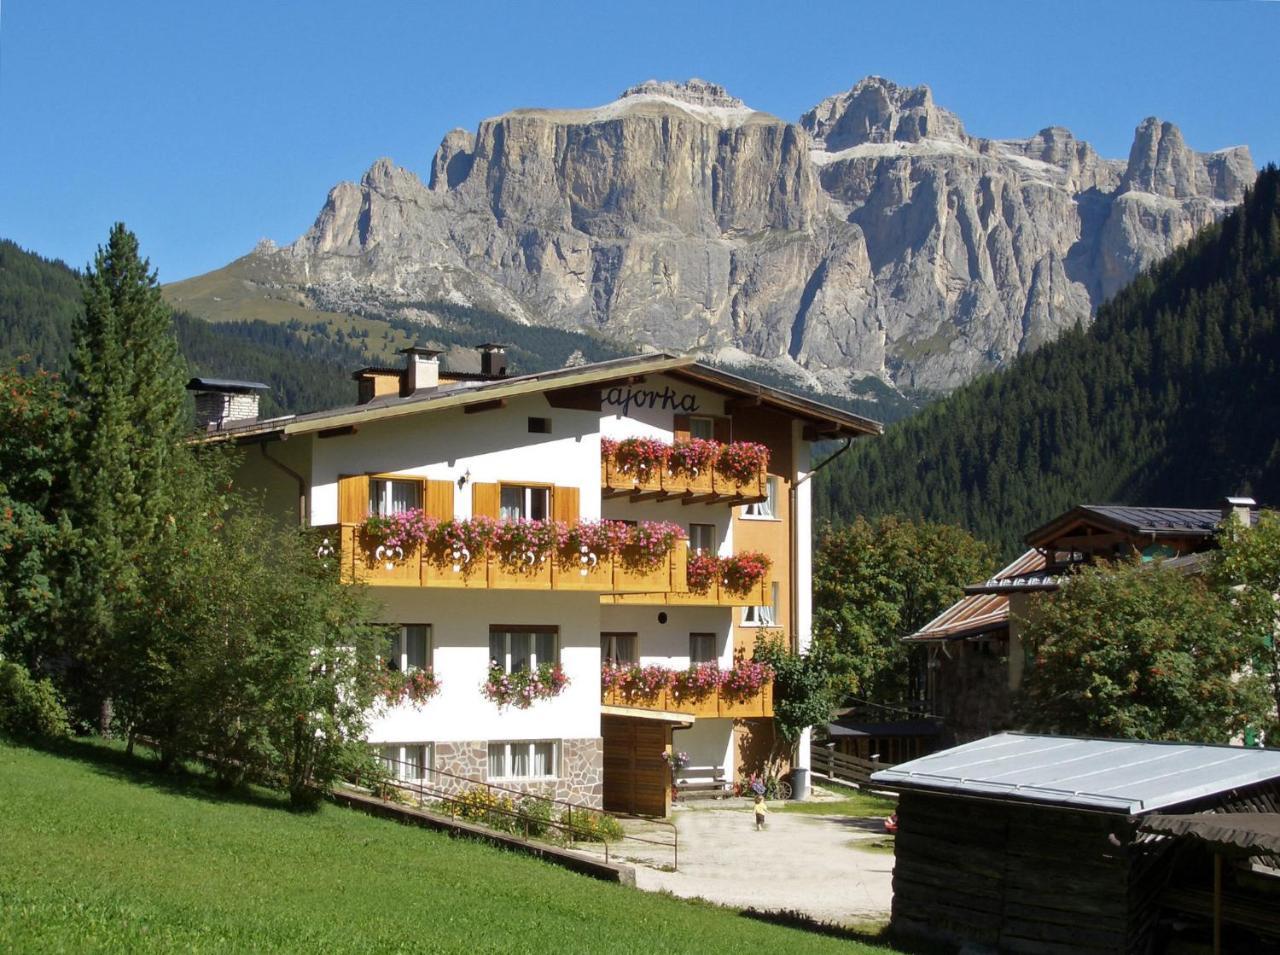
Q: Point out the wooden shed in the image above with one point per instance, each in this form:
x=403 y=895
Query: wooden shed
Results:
x=1022 y=843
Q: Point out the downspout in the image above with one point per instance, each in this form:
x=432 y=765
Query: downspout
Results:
x=302 y=484
x=793 y=544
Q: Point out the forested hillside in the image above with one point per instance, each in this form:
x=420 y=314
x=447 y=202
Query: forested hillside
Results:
x=1170 y=397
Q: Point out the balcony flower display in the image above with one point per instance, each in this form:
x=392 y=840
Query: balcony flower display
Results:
x=741 y=572
x=696 y=683
x=693 y=457
x=742 y=461
x=702 y=571
x=525 y=543
x=640 y=457
x=648 y=544
x=586 y=543
x=462 y=542
x=415 y=687
x=746 y=679
x=400 y=530
x=523 y=688
x=635 y=682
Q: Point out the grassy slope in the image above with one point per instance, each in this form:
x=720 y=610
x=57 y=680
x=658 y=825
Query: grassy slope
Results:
x=97 y=853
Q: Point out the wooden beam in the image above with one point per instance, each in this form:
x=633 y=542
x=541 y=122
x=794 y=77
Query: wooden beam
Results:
x=733 y=405
x=649 y=496
x=581 y=398
x=480 y=406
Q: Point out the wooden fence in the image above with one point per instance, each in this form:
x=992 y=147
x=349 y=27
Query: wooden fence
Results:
x=841 y=768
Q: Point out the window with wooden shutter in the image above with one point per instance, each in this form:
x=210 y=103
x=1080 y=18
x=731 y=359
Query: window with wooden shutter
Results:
x=485 y=500
x=681 y=427
x=353 y=498
x=439 y=498
x=565 y=504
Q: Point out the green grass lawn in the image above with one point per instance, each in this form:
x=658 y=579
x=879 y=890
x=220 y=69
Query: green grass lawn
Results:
x=852 y=802
x=99 y=853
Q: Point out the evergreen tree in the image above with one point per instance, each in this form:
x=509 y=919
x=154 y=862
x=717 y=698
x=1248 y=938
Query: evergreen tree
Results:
x=127 y=438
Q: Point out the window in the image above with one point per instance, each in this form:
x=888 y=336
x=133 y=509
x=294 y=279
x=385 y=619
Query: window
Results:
x=530 y=503
x=408 y=649
x=704 y=428
x=702 y=538
x=763 y=616
x=539 y=425
x=387 y=496
x=523 y=759
x=407 y=761
x=767 y=508
x=618 y=648
x=702 y=648
x=522 y=649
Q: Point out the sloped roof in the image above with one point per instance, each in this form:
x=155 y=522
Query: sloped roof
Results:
x=459 y=394
x=1250 y=831
x=979 y=612
x=1129 y=776
x=1152 y=521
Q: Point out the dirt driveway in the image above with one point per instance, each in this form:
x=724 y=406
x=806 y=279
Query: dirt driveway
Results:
x=823 y=866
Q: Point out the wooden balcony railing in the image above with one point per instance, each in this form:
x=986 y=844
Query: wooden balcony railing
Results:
x=716 y=703
x=659 y=483
x=362 y=559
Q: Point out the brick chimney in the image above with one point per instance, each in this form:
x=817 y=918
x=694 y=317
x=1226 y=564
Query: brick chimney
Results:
x=493 y=359
x=421 y=370
x=221 y=402
x=1241 y=507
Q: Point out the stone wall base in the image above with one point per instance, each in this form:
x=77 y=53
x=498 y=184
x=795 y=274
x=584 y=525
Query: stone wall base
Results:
x=580 y=778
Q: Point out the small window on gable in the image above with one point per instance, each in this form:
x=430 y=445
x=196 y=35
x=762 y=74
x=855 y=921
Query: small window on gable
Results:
x=703 y=428
x=539 y=425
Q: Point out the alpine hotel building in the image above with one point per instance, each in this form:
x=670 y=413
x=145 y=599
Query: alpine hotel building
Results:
x=553 y=446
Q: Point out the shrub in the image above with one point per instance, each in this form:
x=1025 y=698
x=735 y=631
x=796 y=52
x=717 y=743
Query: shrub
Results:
x=481 y=805
x=586 y=825
x=30 y=708
x=535 y=815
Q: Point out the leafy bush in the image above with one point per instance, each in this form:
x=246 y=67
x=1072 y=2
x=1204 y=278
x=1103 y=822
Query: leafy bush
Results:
x=481 y=805
x=586 y=825
x=29 y=708
x=535 y=814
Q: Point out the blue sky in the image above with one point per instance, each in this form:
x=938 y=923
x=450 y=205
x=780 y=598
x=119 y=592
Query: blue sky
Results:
x=208 y=126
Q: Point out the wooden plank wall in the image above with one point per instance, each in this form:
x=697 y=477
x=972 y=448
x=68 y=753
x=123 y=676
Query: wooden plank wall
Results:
x=636 y=778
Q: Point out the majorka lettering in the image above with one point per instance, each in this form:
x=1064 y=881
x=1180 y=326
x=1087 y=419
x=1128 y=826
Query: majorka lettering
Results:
x=666 y=399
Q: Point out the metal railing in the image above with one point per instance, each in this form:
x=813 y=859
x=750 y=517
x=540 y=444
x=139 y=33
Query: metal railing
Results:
x=454 y=798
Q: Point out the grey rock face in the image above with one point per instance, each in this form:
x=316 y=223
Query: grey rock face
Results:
x=874 y=237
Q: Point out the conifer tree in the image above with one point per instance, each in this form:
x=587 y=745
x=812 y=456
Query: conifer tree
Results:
x=127 y=390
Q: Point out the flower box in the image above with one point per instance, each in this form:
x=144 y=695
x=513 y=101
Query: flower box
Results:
x=741 y=707
x=728 y=486
x=582 y=572
x=383 y=565
x=755 y=596
x=705 y=706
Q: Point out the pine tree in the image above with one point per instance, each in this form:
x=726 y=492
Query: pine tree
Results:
x=127 y=392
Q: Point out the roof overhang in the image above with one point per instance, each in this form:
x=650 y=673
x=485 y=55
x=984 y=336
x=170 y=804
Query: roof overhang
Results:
x=658 y=716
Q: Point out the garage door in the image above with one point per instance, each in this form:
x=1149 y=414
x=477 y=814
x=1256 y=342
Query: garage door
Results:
x=636 y=778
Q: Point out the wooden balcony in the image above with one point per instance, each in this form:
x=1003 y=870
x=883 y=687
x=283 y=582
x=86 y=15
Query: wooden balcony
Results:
x=717 y=703
x=717 y=595
x=709 y=487
x=362 y=559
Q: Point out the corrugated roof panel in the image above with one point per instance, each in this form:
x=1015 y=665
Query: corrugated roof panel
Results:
x=977 y=613
x=1130 y=776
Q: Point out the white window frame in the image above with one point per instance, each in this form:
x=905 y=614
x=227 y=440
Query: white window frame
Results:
x=400 y=659
x=504 y=659
x=766 y=510
x=713 y=638
x=714 y=538
x=395 y=756
x=508 y=747
x=698 y=423
x=766 y=616
x=381 y=498
x=526 y=500
x=609 y=646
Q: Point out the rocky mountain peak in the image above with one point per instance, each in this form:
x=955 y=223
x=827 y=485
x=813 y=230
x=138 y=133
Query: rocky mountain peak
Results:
x=1161 y=162
x=877 y=110
x=694 y=91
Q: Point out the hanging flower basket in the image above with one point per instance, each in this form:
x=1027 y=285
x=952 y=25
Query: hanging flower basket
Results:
x=740 y=573
x=415 y=687
x=702 y=572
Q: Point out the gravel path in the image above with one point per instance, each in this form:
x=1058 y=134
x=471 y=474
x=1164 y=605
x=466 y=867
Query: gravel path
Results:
x=803 y=863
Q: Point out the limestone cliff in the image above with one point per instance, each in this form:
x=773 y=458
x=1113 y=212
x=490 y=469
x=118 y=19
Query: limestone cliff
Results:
x=873 y=237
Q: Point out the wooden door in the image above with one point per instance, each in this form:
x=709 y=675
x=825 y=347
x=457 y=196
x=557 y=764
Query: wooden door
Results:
x=636 y=778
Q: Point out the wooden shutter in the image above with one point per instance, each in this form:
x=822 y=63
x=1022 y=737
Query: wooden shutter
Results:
x=438 y=500
x=353 y=498
x=565 y=504
x=485 y=500
x=681 y=427
x=720 y=430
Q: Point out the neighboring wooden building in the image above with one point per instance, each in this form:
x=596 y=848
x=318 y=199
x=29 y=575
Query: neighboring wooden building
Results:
x=973 y=657
x=1032 y=844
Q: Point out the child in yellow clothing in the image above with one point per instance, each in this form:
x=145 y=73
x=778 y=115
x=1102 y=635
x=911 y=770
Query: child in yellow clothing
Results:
x=761 y=811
